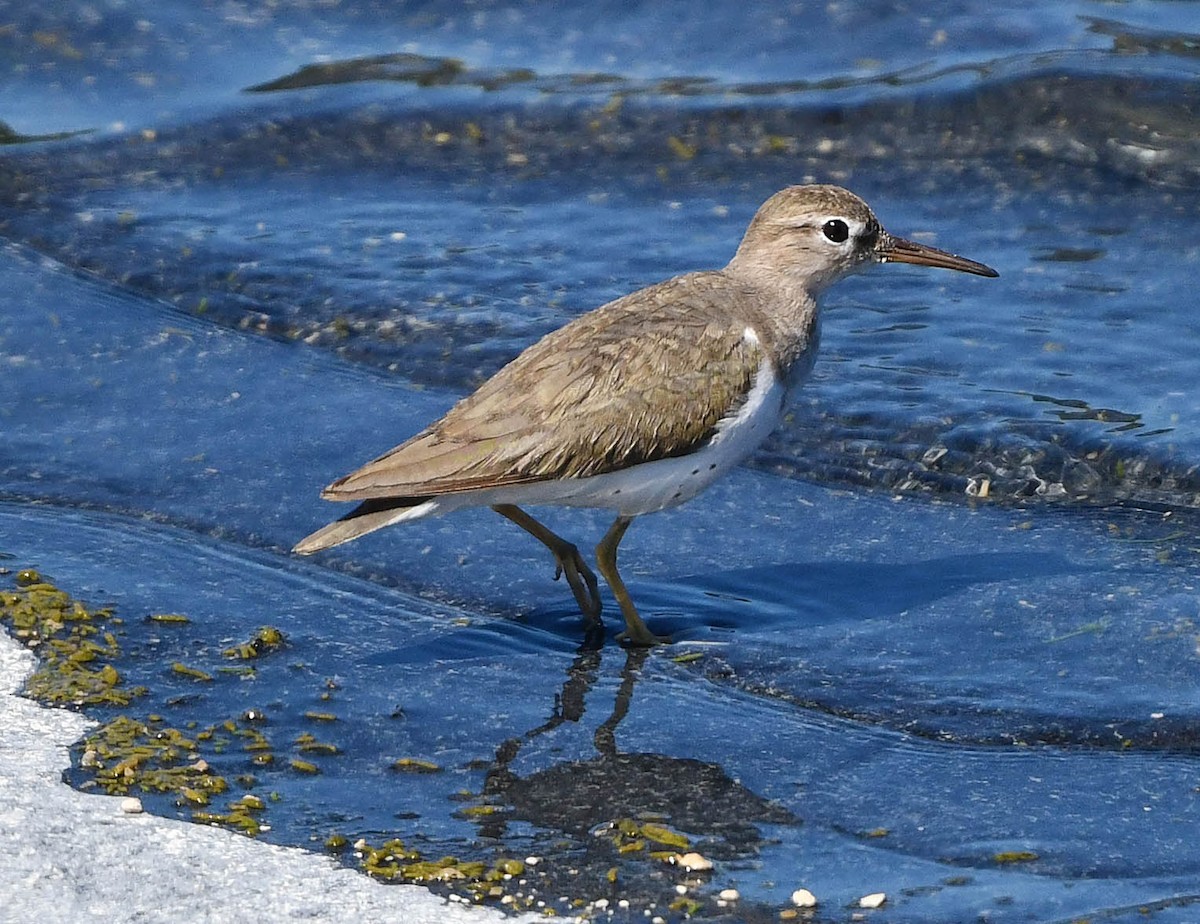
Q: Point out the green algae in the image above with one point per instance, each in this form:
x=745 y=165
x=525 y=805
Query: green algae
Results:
x=630 y=836
x=661 y=834
x=75 y=645
x=264 y=641
x=685 y=905
x=169 y=619
x=1014 y=856
x=308 y=744
x=477 y=811
x=236 y=820
x=126 y=755
x=192 y=673
x=393 y=861
x=336 y=843
x=73 y=642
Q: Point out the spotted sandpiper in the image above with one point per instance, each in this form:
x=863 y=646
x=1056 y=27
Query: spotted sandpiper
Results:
x=642 y=403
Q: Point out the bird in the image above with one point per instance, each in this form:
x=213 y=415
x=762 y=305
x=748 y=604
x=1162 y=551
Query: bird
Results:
x=638 y=405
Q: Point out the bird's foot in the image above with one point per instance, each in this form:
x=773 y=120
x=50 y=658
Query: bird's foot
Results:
x=638 y=635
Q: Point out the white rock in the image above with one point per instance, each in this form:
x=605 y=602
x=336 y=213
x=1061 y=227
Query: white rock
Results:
x=132 y=805
x=694 y=862
x=802 y=898
x=874 y=900
x=729 y=895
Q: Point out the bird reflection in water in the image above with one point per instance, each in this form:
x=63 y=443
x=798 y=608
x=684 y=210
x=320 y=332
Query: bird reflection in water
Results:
x=718 y=816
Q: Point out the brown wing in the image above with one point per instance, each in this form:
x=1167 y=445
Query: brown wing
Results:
x=586 y=399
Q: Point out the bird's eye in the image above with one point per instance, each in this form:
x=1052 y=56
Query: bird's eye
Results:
x=836 y=230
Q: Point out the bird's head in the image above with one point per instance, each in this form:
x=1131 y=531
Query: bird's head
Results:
x=815 y=235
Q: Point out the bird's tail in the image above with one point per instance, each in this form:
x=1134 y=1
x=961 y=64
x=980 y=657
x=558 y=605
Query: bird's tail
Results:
x=366 y=518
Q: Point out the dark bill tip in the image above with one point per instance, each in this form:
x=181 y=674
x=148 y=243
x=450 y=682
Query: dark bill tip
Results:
x=897 y=250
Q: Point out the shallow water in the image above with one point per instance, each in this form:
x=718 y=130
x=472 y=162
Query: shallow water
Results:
x=945 y=618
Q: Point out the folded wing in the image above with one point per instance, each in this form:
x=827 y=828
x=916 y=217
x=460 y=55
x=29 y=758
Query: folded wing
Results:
x=586 y=399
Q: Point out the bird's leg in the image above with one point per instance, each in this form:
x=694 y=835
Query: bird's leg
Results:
x=636 y=632
x=567 y=559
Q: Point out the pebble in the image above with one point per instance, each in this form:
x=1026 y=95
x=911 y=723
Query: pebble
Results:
x=874 y=900
x=132 y=805
x=802 y=898
x=694 y=862
x=729 y=895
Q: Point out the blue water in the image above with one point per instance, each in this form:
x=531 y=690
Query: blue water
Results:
x=953 y=599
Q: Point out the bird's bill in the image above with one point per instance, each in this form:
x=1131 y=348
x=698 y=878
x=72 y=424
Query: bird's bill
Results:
x=897 y=250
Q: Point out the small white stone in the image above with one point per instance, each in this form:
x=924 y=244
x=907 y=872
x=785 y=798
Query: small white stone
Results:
x=681 y=889
x=874 y=900
x=600 y=903
x=729 y=895
x=532 y=861
x=132 y=805
x=802 y=898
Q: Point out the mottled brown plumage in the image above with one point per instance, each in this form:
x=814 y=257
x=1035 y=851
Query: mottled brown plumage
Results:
x=586 y=399
x=641 y=403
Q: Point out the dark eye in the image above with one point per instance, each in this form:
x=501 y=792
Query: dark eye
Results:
x=836 y=230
